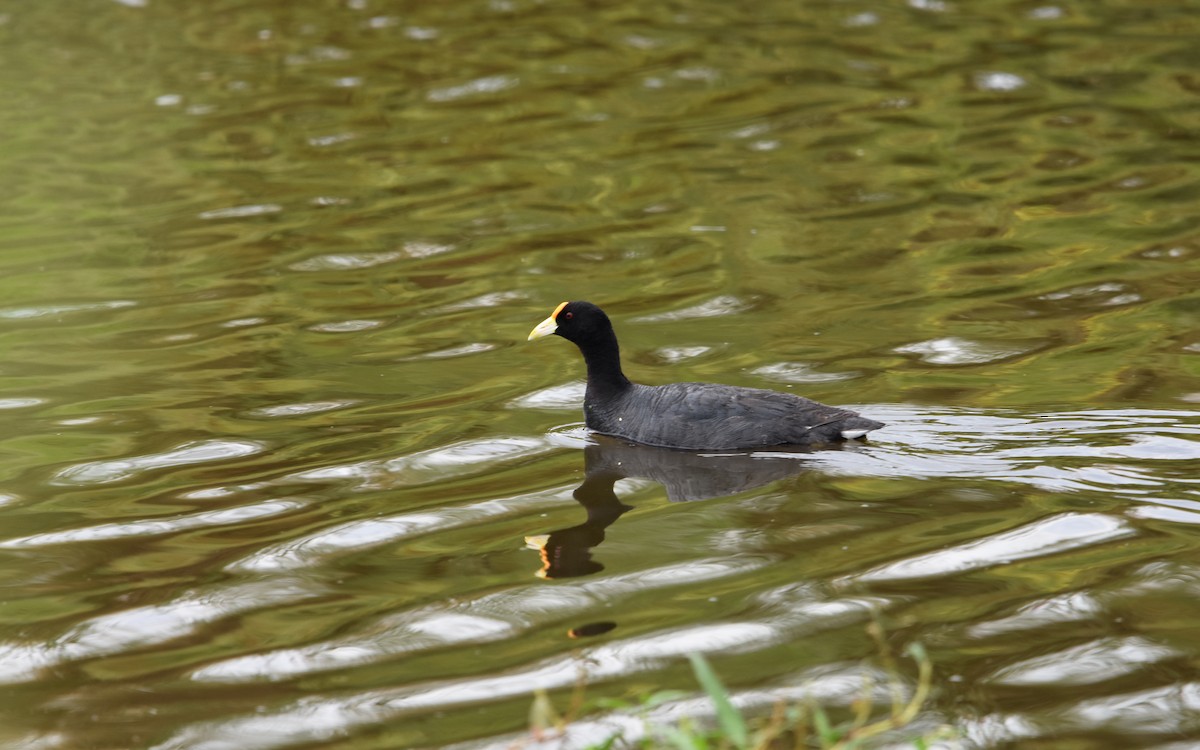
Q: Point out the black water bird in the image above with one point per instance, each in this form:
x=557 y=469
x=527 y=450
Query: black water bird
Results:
x=693 y=416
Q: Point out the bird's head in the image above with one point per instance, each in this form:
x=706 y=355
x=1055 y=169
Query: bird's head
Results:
x=574 y=321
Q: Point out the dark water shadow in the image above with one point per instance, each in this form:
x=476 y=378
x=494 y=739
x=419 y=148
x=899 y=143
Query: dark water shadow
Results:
x=686 y=476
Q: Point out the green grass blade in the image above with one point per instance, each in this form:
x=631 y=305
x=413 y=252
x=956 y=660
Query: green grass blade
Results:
x=728 y=716
x=663 y=696
x=683 y=740
x=542 y=716
x=825 y=731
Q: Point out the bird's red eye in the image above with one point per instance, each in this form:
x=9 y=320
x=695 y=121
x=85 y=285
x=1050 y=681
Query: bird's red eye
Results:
x=570 y=315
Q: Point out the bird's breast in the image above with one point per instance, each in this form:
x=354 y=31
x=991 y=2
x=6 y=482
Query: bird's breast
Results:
x=602 y=416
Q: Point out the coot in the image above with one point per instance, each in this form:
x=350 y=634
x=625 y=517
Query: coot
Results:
x=694 y=416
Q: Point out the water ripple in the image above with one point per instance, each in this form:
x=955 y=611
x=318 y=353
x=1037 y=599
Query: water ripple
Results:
x=241 y=212
x=1171 y=710
x=799 y=372
x=397 y=636
x=485 y=85
x=142 y=627
x=1044 y=537
x=491 y=617
x=320 y=548
x=302 y=409
x=720 y=306
x=20 y=402
x=1085 y=664
x=1062 y=452
x=428 y=466
x=1040 y=614
x=157 y=526
x=116 y=470
x=555 y=398
x=954 y=350
x=44 y=311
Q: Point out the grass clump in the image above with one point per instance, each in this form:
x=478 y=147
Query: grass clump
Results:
x=799 y=725
x=803 y=724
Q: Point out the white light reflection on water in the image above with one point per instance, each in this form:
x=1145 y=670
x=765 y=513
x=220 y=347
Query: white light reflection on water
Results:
x=556 y=398
x=720 y=306
x=44 y=311
x=1044 y=537
x=1060 y=452
x=116 y=470
x=302 y=409
x=1087 y=663
x=471 y=620
x=428 y=466
x=1040 y=614
x=309 y=718
x=163 y=525
x=953 y=350
x=485 y=85
x=323 y=546
x=1171 y=710
x=142 y=627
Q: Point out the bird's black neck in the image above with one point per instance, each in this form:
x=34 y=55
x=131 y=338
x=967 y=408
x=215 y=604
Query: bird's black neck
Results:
x=603 y=358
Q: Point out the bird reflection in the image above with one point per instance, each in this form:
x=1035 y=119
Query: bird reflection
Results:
x=567 y=553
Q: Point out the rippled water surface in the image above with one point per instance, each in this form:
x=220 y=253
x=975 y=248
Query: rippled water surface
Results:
x=278 y=468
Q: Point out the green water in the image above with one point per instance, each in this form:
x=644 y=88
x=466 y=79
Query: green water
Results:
x=278 y=468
